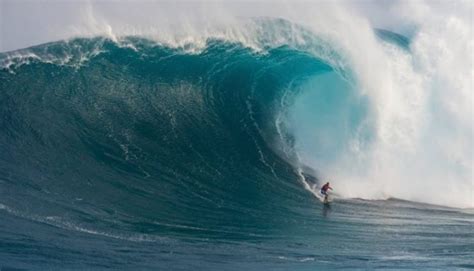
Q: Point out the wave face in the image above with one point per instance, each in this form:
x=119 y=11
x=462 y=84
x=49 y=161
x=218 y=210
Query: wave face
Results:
x=183 y=132
x=140 y=142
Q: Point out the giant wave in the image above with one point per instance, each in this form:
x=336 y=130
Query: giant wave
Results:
x=186 y=137
x=136 y=140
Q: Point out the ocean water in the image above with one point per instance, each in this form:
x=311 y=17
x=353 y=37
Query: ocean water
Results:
x=133 y=154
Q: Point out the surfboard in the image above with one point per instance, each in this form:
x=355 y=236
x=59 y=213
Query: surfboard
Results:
x=322 y=198
x=317 y=193
x=327 y=201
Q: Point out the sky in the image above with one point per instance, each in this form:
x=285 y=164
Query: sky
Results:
x=25 y=23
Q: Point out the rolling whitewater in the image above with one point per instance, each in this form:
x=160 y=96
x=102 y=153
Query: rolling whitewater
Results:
x=128 y=153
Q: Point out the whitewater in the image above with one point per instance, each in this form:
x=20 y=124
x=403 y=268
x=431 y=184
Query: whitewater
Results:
x=197 y=135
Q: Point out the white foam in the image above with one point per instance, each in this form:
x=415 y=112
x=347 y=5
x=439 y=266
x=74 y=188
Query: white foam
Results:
x=422 y=113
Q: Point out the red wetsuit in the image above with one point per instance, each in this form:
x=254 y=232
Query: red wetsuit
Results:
x=325 y=187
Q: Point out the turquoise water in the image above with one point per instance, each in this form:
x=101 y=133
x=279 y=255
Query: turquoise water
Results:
x=144 y=156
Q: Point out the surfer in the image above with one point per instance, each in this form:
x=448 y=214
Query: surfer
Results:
x=324 y=190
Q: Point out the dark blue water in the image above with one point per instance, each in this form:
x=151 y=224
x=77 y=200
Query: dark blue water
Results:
x=148 y=157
